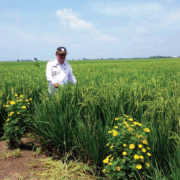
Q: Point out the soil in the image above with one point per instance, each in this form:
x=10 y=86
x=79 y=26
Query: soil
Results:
x=13 y=166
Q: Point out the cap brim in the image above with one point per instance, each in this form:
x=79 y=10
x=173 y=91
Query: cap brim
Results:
x=61 y=52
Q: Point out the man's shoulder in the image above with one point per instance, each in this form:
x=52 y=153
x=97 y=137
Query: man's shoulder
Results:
x=67 y=63
x=52 y=61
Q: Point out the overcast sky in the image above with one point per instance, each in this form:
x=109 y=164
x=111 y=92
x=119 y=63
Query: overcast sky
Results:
x=89 y=29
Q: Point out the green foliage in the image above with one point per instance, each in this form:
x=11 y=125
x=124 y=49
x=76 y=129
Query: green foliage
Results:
x=18 y=120
x=129 y=149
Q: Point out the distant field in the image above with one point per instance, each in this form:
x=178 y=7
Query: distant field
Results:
x=148 y=90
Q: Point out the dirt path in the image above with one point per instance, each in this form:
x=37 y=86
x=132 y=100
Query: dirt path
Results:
x=11 y=165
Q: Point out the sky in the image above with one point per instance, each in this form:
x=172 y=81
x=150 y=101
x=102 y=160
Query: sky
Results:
x=89 y=29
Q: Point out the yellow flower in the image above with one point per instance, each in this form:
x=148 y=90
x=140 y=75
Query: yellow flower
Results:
x=7 y=124
x=118 y=168
x=124 y=160
x=111 y=147
x=140 y=146
x=116 y=127
x=148 y=148
x=124 y=153
x=143 y=150
x=141 y=157
x=7 y=106
x=30 y=99
x=12 y=103
x=21 y=95
x=140 y=136
x=19 y=100
x=111 y=159
x=139 y=124
x=144 y=141
x=115 y=133
x=16 y=95
x=105 y=161
x=147 y=130
x=130 y=129
x=136 y=123
x=109 y=132
x=149 y=154
x=131 y=146
x=104 y=170
x=147 y=164
x=107 y=144
x=26 y=100
x=23 y=107
x=110 y=163
x=18 y=112
x=8 y=120
x=138 y=166
x=136 y=156
x=116 y=119
x=124 y=145
x=130 y=119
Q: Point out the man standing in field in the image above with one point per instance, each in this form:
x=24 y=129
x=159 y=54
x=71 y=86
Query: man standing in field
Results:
x=58 y=71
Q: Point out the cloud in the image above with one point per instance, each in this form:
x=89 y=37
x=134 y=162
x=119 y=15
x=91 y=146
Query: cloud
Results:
x=141 y=30
x=68 y=17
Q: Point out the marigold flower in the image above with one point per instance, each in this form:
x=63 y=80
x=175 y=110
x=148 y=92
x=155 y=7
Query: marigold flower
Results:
x=141 y=157
x=138 y=166
x=140 y=146
x=124 y=153
x=143 y=150
x=111 y=159
x=116 y=119
x=139 y=124
x=104 y=170
x=105 y=161
x=144 y=141
x=107 y=144
x=130 y=119
x=26 y=100
x=109 y=132
x=21 y=95
x=149 y=154
x=130 y=129
x=115 y=133
x=140 y=136
x=110 y=163
x=147 y=164
x=118 y=168
x=136 y=123
x=23 y=107
x=7 y=124
x=111 y=147
x=147 y=130
x=131 y=146
x=148 y=148
x=116 y=127
x=124 y=145
x=18 y=112
x=12 y=103
x=8 y=120
x=15 y=95
x=136 y=156
x=7 y=106
x=30 y=99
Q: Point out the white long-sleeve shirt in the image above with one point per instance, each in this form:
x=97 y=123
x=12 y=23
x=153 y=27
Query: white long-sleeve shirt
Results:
x=57 y=73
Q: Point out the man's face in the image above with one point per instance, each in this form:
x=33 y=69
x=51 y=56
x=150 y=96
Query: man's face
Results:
x=61 y=57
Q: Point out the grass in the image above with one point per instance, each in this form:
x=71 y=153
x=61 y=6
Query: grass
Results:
x=76 y=118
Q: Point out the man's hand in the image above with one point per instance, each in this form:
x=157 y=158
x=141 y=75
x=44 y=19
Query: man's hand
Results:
x=56 y=85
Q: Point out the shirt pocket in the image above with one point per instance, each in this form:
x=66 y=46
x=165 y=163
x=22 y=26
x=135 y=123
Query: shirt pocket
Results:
x=55 y=71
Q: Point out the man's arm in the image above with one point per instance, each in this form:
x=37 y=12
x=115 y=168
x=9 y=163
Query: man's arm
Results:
x=71 y=77
x=49 y=76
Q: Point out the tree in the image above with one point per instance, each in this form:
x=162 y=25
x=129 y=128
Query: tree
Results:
x=35 y=59
x=18 y=60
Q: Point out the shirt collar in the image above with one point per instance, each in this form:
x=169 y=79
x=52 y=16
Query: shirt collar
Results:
x=57 y=63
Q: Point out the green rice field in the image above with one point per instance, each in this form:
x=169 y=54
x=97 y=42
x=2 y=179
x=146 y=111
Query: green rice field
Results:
x=76 y=118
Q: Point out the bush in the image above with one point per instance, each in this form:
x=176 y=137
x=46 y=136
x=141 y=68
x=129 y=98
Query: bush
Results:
x=18 y=121
x=129 y=151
